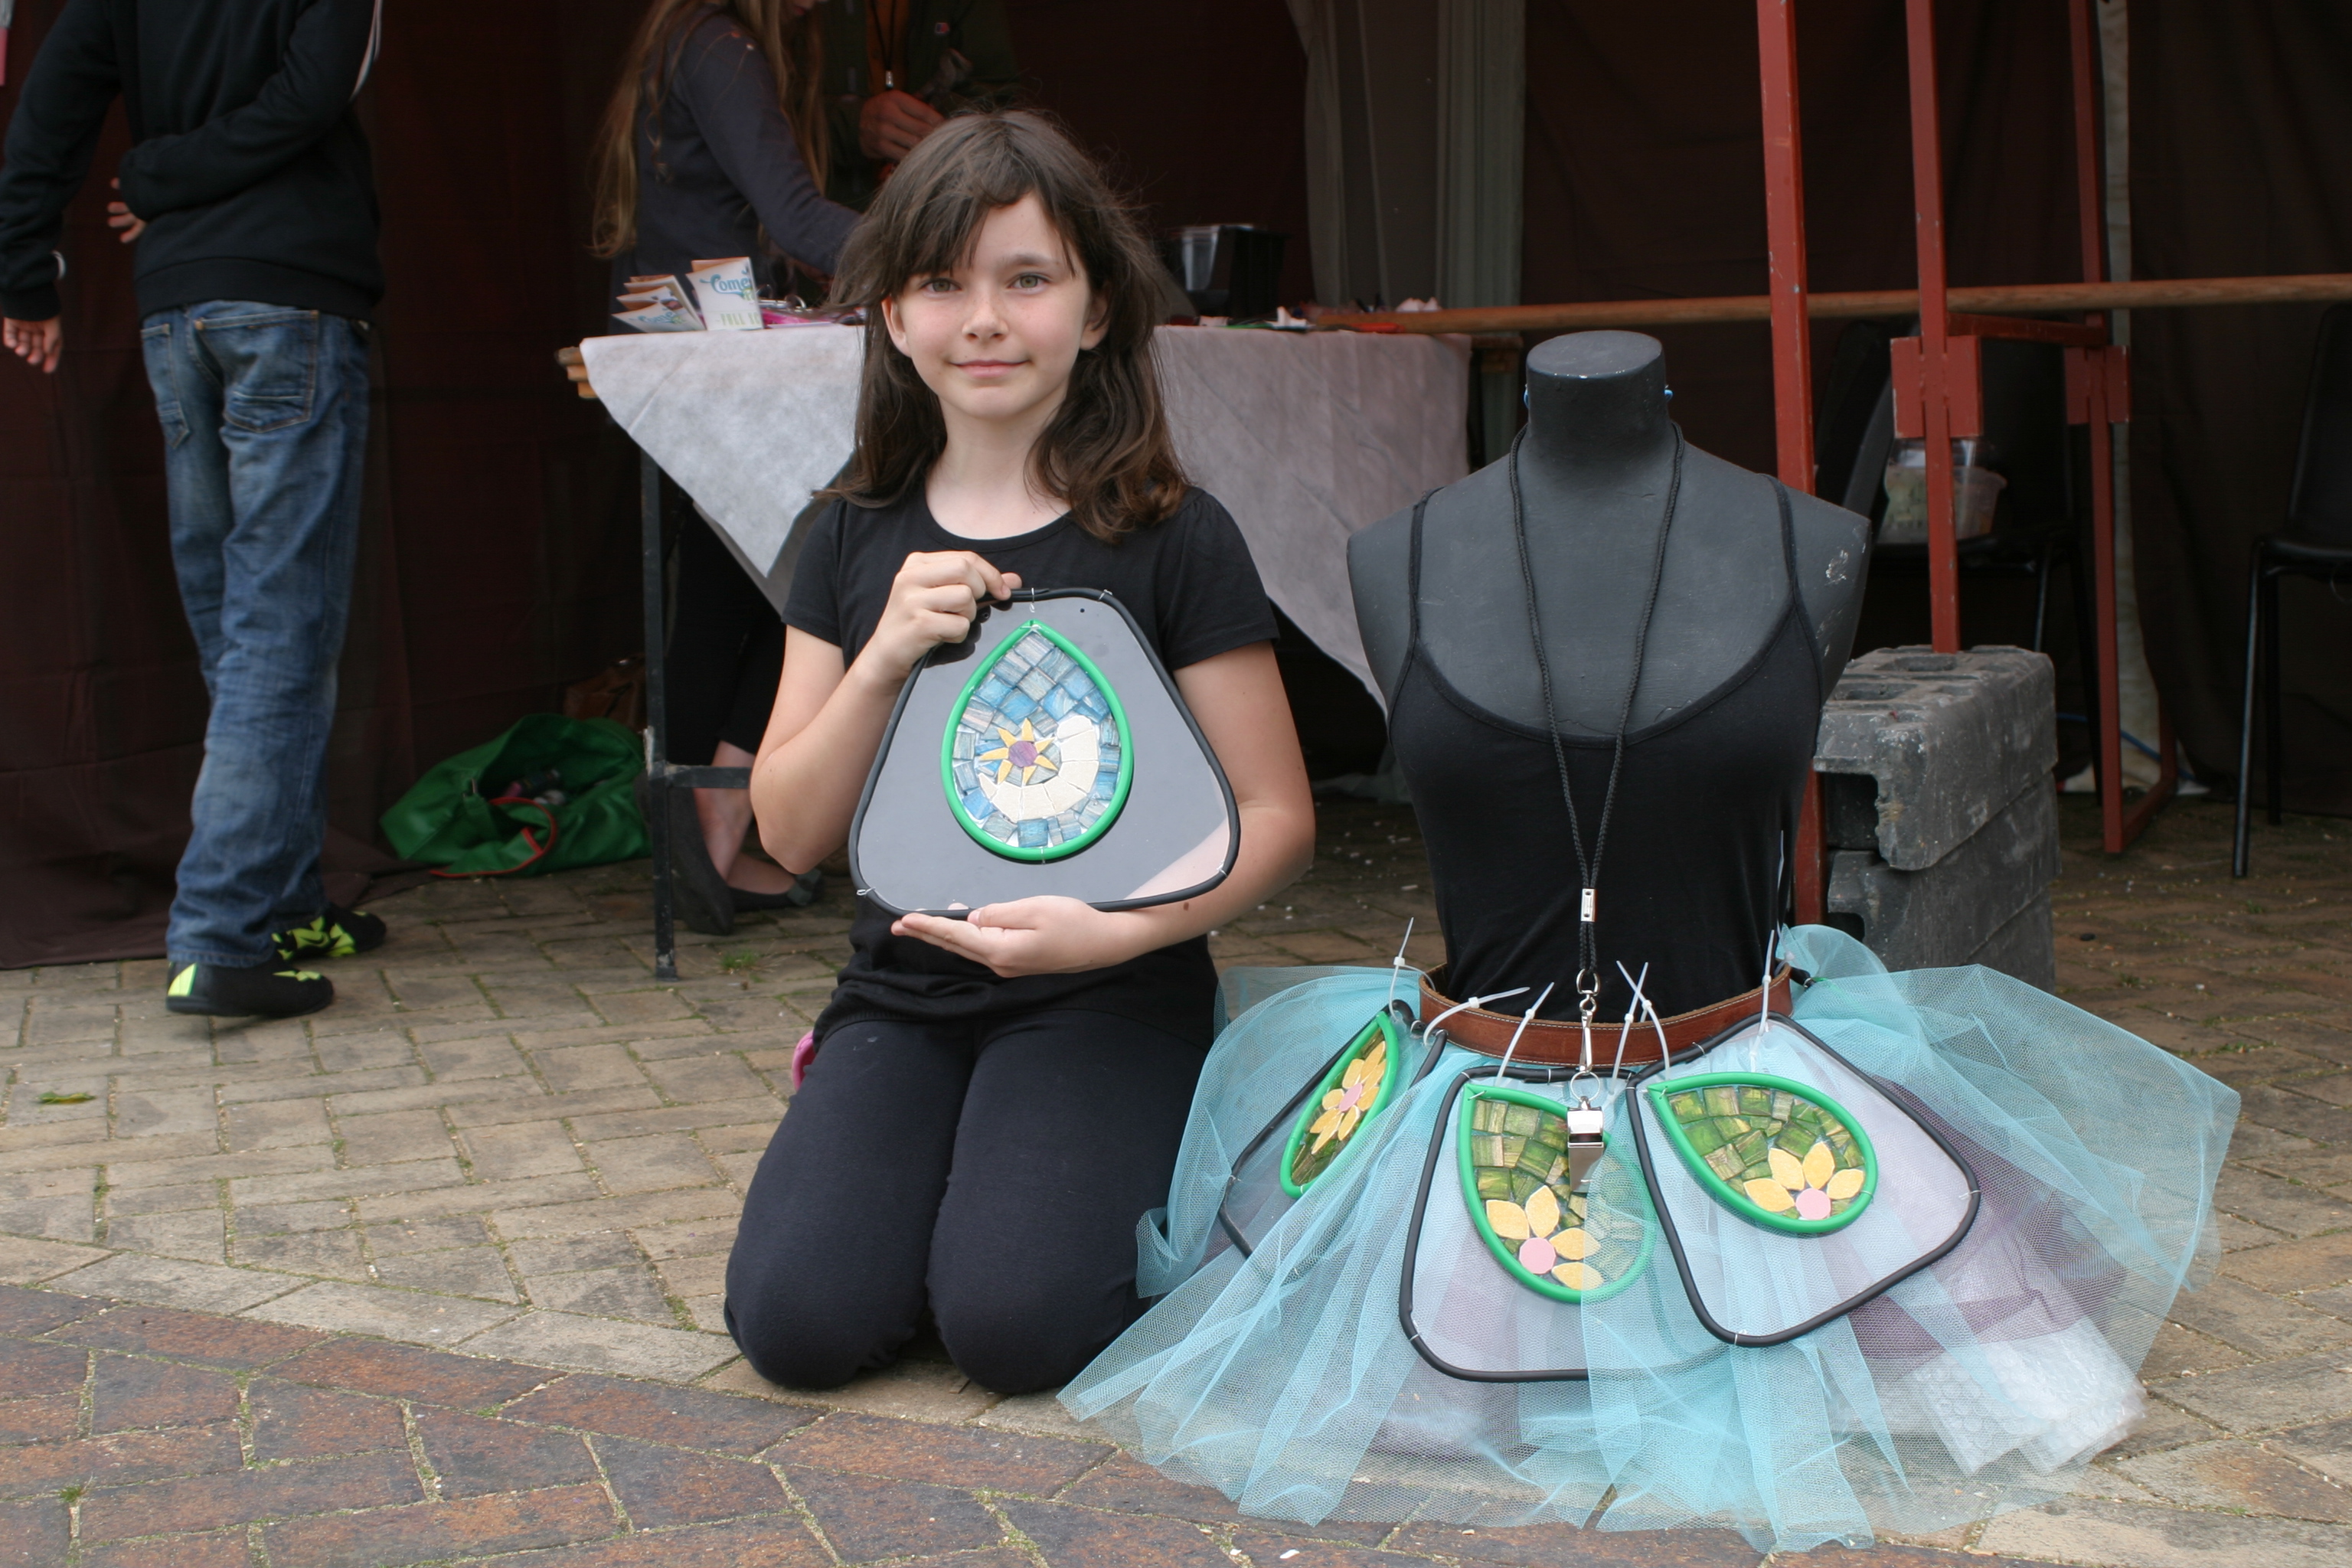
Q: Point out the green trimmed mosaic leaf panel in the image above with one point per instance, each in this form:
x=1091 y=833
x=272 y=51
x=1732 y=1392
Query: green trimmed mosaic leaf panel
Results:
x=1572 y=1246
x=1777 y=1151
x=1358 y=1088
x=1036 y=761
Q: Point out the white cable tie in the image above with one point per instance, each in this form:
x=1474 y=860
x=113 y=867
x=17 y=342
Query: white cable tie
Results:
x=1396 y=964
x=1665 y=1051
x=1430 y=1027
x=1524 y=1018
x=1632 y=1008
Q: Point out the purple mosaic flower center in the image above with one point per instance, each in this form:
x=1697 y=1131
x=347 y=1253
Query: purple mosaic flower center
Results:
x=1024 y=753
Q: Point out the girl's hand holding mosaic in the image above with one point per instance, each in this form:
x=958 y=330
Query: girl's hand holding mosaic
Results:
x=932 y=601
x=1038 y=936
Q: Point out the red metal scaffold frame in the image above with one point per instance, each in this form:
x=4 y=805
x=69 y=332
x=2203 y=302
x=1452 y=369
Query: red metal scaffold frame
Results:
x=1938 y=391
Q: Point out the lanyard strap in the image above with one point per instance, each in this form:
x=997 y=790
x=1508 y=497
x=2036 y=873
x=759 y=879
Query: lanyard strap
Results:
x=1588 y=868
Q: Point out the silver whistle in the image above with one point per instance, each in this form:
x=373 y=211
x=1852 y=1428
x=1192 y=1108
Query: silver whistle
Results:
x=1585 y=1143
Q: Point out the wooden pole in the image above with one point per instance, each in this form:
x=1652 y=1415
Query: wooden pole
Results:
x=1934 y=325
x=2091 y=202
x=1793 y=367
x=2008 y=298
x=1784 y=214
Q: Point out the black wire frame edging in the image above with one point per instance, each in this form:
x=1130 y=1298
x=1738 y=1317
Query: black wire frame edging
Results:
x=1290 y=1109
x=1036 y=595
x=1437 y=1144
x=1674 y=1238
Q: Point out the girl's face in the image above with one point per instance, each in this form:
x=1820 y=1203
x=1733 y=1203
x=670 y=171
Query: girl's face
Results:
x=995 y=339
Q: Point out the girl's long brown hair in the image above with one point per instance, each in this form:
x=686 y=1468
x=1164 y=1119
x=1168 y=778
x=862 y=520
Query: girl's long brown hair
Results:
x=795 y=49
x=1107 y=452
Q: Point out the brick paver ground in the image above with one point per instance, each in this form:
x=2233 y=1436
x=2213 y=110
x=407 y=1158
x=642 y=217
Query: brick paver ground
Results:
x=435 y=1275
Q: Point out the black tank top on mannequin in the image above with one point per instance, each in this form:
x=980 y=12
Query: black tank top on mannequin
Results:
x=1687 y=882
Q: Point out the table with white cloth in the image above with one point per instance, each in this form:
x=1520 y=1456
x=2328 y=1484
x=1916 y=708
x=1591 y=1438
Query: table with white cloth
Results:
x=1305 y=437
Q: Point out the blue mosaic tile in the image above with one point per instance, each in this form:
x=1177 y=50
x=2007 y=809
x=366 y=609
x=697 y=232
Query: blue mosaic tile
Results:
x=1036 y=758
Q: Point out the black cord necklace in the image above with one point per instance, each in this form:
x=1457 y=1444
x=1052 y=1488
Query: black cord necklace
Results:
x=1588 y=868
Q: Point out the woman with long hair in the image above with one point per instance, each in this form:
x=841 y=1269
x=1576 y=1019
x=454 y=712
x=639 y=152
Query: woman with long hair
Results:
x=714 y=144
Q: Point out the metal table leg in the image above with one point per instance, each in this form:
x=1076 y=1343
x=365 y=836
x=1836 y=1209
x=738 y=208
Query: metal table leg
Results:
x=662 y=776
x=657 y=721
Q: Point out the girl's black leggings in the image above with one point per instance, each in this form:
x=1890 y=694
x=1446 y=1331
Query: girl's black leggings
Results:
x=993 y=1169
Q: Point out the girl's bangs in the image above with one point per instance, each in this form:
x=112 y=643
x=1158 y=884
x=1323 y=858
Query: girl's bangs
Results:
x=944 y=224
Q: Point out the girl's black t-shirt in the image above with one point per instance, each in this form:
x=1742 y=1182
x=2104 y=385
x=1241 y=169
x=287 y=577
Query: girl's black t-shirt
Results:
x=1194 y=591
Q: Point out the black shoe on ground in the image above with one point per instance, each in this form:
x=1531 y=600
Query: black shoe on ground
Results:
x=260 y=992
x=338 y=933
x=699 y=897
x=799 y=895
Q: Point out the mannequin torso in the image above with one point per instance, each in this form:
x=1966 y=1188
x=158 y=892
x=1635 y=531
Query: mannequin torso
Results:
x=1595 y=466
x=1722 y=723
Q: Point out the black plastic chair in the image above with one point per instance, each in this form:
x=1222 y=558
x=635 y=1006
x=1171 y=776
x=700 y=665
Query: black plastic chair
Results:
x=2315 y=543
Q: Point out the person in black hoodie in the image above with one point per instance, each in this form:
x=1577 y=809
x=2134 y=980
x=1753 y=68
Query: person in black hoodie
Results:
x=249 y=196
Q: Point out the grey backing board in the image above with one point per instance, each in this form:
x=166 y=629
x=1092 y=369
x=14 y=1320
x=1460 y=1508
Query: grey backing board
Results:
x=1175 y=838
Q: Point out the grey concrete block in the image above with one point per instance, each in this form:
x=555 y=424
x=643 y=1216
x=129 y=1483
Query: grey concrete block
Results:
x=2024 y=948
x=1949 y=739
x=1985 y=901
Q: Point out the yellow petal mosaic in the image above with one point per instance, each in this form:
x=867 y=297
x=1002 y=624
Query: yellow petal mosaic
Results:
x=1356 y=1088
x=1780 y=1153
x=1571 y=1246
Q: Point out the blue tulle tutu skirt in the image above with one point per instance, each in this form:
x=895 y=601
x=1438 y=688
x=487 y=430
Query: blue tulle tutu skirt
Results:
x=1294 y=1358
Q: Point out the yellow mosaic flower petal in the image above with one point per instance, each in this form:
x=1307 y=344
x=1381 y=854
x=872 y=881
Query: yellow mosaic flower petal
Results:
x=1509 y=1220
x=1770 y=1195
x=1577 y=1243
x=1820 y=1164
x=1845 y=1184
x=1579 y=1277
x=1787 y=1171
x=1543 y=1212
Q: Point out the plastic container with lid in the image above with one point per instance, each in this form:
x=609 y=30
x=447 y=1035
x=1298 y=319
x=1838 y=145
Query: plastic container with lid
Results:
x=1976 y=489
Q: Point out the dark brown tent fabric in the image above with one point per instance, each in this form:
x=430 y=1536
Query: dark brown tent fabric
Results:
x=1645 y=177
x=499 y=551
x=1645 y=170
x=1198 y=106
x=2242 y=164
x=497 y=557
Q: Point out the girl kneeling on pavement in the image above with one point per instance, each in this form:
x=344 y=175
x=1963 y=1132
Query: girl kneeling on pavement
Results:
x=996 y=1100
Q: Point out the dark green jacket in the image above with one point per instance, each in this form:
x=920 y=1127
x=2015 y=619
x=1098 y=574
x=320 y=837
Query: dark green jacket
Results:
x=973 y=29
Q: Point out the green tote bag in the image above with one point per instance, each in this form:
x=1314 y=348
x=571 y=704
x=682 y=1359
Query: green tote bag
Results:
x=475 y=815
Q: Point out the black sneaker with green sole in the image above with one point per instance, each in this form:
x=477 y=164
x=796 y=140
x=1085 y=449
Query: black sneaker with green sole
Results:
x=337 y=933
x=219 y=992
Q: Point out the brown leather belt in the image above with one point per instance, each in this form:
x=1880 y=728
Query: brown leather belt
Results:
x=1559 y=1042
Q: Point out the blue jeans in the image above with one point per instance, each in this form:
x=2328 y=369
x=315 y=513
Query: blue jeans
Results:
x=265 y=414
